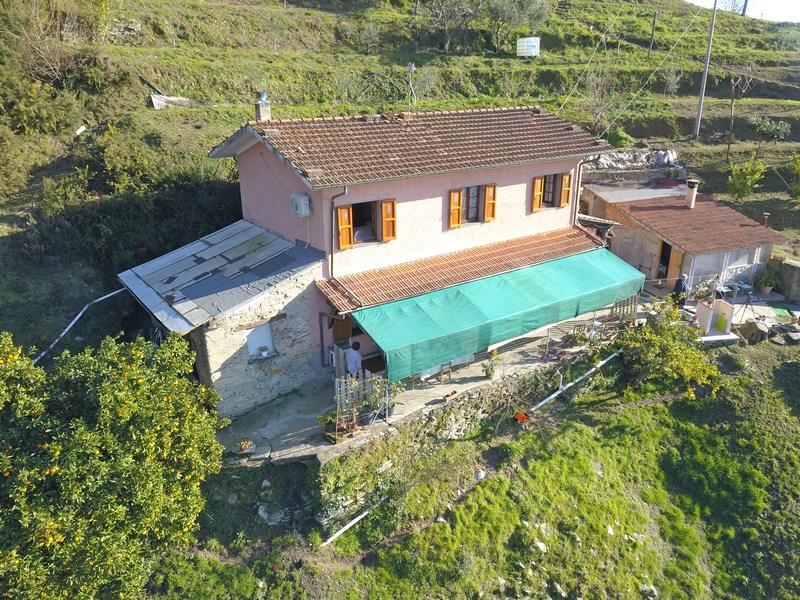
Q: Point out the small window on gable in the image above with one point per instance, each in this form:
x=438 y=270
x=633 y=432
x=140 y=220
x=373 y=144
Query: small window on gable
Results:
x=259 y=341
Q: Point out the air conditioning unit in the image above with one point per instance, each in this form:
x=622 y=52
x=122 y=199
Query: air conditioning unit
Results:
x=301 y=205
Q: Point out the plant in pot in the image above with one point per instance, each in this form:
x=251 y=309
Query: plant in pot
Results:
x=768 y=280
x=246 y=446
x=702 y=292
x=383 y=394
x=264 y=351
x=327 y=421
x=490 y=365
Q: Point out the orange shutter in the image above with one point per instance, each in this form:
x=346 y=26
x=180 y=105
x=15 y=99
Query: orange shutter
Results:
x=538 y=194
x=344 y=215
x=455 y=209
x=566 y=189
x=489 y=198
x=388 y=220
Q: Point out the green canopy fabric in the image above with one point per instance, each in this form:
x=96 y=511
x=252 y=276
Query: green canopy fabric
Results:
x=419 y=333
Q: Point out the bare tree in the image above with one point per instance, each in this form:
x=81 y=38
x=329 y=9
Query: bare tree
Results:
x=600 y=95
x=741 y=83
x=450 y=16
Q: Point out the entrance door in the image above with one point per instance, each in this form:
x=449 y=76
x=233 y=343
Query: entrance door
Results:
x=674 y=268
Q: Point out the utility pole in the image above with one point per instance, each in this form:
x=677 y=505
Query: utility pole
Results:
x=696 y=133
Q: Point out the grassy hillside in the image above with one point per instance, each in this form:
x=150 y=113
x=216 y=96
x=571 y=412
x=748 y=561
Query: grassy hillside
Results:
x=73 y=206
x=609 y=491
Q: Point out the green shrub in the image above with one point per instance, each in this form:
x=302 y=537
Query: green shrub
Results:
x=182 y=577
x=619 y=139
x=744 y=179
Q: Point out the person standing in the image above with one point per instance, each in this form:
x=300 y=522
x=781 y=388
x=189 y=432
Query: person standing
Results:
x=680 y=290
x=354 y=360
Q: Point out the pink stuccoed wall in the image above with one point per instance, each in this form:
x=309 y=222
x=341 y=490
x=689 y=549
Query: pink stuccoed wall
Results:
x=423 y=208
x=266 y=186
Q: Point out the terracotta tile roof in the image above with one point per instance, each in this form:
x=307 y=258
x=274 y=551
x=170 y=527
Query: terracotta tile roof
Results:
x=336 y=151
x=708 y=228
x=351 y=292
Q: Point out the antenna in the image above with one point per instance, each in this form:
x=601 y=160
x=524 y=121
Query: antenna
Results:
x=411 y=93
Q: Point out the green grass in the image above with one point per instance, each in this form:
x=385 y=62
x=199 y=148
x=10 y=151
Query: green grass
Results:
x=610 y=490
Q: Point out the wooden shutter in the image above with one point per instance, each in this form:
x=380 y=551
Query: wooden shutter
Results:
x=455 y=209
x=489 y=202
x=344 y=215
x=538 y=194
x=342 y=329
x=388 y=220
x=566 y=189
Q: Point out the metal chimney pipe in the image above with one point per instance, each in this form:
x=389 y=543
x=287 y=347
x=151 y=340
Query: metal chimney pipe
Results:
x=691 y=192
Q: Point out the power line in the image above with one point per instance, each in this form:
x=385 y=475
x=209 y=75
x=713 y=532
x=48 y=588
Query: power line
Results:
x=663 y=60
x=578 y=80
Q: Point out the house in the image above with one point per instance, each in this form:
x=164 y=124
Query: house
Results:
x=426 y=237
x=670 y=229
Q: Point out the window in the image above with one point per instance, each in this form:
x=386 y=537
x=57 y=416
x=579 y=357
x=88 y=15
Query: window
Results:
x=366 y=222
x=259 y=341
x=473 y=204
x=551 y=190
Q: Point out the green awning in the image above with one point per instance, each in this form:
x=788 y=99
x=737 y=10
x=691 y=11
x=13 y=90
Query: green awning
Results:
x=419 y=333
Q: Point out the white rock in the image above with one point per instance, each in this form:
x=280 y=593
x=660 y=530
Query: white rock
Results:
x=542 y=546
x=262 y=512
x=266 y=483
x=502 y=583
x=480 y=474
x=610 y=530
x=560 y=591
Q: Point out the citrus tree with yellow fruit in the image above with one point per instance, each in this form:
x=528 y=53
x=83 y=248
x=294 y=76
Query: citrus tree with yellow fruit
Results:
x=101 y=461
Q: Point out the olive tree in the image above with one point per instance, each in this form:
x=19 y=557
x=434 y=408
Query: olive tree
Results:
x=506 y=15
x=101 y=460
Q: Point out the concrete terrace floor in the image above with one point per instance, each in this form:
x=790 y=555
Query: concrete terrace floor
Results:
x=286 y=429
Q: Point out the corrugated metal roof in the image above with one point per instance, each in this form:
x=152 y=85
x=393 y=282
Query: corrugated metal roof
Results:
x=215 y=275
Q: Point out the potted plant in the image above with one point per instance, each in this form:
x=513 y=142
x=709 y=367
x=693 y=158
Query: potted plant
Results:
x=246 y=446
x=327 y=421
x=490 y=365
x=702 y=293
x=768 y=279
x=264 y=351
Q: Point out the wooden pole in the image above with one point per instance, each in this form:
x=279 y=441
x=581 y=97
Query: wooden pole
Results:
x=653 y=34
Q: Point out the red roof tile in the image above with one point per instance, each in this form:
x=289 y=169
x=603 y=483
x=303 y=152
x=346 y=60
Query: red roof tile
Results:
x=708 y=228
x=331 y=152
x=351 y=292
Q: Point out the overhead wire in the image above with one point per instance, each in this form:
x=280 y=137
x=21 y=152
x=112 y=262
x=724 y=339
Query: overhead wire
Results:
x=578 y=80
x=663 y=60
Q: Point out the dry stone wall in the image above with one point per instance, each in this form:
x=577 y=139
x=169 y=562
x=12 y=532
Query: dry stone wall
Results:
x=245 y=382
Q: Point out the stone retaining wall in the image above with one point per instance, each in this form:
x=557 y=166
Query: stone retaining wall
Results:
x=346 y=481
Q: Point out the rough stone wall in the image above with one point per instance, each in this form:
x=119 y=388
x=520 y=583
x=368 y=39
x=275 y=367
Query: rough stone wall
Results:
x=347 y=480
x=245 y=383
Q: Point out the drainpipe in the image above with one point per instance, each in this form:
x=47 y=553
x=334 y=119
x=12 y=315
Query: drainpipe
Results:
x=324 y=315
x=333 y=223
x=573 y=217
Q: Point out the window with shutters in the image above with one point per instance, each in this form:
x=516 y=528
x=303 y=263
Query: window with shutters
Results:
x=367 y=222
x=473 y=204
x=551 y=190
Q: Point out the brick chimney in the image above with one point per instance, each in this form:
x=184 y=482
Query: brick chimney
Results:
x=263 y=107
x=691 y=192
